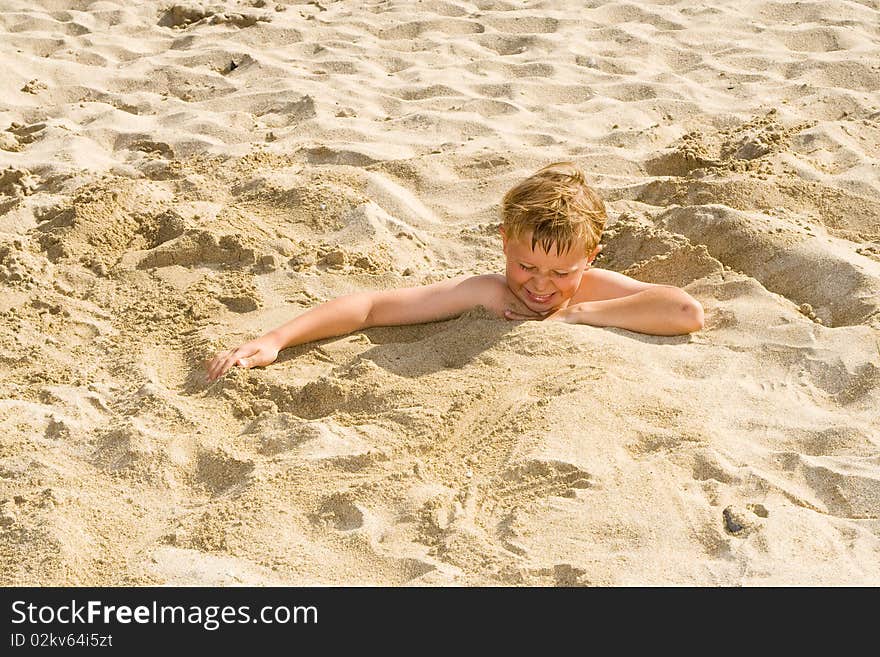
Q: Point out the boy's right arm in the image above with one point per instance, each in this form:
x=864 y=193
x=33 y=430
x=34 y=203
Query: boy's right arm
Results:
x=412 y=305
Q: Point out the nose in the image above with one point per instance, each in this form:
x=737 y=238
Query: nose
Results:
x=541 y=284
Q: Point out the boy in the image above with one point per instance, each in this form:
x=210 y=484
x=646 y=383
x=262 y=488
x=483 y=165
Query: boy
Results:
x=551 y=226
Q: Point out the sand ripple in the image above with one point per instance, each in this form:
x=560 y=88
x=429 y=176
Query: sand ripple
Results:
x=175 y=178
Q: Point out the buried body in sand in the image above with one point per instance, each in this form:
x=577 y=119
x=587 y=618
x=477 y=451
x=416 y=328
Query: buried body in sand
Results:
x=163 y=207
x=552 y=225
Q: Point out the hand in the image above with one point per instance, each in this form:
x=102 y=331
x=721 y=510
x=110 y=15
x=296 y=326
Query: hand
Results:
x=256 y=353
x=560 y=315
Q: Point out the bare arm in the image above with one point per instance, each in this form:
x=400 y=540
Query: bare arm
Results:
x=413 y=305
x=335 y=317
x=659 y=310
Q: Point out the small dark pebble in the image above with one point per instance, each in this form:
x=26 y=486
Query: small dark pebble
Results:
x=729 y=523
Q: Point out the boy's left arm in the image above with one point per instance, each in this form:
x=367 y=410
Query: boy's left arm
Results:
x=657 y=310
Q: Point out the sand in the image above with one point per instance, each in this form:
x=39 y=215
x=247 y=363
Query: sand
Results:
x=178 y=178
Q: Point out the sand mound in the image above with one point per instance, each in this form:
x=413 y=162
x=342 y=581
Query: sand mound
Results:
x=177 y=178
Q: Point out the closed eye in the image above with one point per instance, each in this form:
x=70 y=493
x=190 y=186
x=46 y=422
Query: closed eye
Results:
x=557 y=273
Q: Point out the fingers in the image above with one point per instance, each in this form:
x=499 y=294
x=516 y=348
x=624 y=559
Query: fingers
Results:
x=221 y=364
x=215 y=365
x=243 y=356
x=521 y=316
x=509 y=314
x=247 y=358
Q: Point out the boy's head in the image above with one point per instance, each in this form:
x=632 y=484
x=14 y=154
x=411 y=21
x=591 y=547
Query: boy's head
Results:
x=551 y=226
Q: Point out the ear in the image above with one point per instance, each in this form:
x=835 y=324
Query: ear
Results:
x=503 y=239
x=595 y=253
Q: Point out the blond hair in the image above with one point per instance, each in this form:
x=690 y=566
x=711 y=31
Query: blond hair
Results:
x=558 y=207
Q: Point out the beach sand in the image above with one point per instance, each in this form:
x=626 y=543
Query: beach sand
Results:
x=178 y=178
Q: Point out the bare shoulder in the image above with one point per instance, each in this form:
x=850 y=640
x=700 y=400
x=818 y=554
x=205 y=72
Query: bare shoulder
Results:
x=601 y=284
x=497 y=297
x=489 y=291
x=430 y=303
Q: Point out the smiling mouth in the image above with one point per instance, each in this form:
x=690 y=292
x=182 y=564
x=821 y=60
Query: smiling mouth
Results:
x=541 y=299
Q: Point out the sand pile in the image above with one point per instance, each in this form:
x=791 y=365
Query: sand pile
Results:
x=178 y=178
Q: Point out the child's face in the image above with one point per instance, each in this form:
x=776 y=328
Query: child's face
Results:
x=543 y=281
